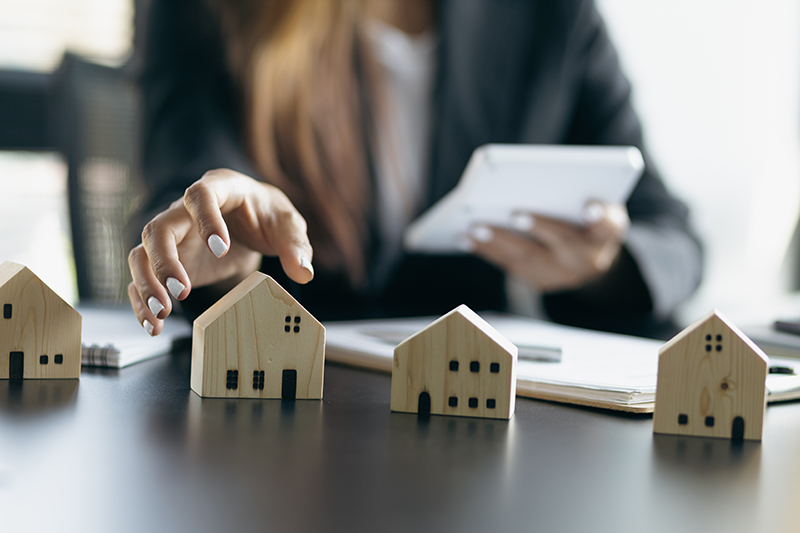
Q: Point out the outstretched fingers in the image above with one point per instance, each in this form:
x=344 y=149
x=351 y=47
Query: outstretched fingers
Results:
x=221 y=206
x=264 y=218
x=156 y=268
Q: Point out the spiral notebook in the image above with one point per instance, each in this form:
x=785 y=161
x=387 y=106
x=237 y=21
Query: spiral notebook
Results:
x=111 y=337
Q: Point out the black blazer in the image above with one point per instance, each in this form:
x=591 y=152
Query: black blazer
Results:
x=509 y=71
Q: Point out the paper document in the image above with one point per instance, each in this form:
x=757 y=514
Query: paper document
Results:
x=528 y=352
x=111 y=337
x=596 y=369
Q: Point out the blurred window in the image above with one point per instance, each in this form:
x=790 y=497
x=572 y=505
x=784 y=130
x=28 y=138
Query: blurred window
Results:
x=34 y=34
x=34 y=218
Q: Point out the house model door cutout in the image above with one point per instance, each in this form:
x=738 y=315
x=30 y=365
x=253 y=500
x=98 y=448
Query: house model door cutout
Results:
x=16 y=365
x=289 y=385
x=424 y=404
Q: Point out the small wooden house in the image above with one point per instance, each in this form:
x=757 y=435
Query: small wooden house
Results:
x=711 y=382
x=458 y=365
x=258 y=342
x=40 y=334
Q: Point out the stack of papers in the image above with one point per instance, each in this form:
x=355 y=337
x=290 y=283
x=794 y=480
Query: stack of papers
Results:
x=595 y=369
x=111 y=337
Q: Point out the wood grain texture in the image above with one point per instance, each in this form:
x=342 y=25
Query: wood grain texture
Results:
x=41 y=324
x=710 y=373
x=245 y=331
x=422 y=364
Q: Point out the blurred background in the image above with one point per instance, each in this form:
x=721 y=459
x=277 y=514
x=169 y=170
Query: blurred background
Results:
x=69 y=184
x=716 y=84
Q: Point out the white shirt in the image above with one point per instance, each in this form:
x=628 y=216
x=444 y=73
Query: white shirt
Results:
x=408 y=64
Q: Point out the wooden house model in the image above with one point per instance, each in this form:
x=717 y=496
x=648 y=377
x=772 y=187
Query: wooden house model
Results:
x=458 y=365
x=711 y=382
x=40 y=334
x=258 y=342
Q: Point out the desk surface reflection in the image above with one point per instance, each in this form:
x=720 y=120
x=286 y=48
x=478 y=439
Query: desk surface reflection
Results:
x=136 y=450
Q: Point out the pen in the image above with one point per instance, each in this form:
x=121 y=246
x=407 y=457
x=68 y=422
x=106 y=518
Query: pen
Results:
x=526 y=352
x=540 y=354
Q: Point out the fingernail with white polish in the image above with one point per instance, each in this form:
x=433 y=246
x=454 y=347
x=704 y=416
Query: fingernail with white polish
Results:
x=175 y=287
x=481 y=233
x=465 y=244
x=217 y=245
x=594 y=212
x=522 y=222
x=148 y=327
x=305 y=263
x=155 y=306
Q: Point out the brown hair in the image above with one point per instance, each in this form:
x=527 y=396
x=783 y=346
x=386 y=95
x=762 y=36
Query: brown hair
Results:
x=306 y=73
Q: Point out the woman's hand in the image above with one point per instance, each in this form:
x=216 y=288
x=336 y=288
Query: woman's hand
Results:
x=220 y=229
x=551 y=255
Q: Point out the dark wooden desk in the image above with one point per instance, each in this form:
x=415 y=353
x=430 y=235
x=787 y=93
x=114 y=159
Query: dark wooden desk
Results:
x=136 y=450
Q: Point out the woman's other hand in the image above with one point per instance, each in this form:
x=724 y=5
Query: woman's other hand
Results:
x=220 y=229
x=552 y=255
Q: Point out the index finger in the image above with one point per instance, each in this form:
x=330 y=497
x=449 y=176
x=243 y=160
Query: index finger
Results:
x=205 y=200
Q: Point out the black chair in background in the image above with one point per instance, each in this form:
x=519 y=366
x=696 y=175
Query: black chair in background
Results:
x=25 y=111
x=88 y=113
x=96 y=128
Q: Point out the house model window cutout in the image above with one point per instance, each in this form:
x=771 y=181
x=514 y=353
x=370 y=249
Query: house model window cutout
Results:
x=258 y=331
x=459 y=365
x=40 y=334
x=711 y=382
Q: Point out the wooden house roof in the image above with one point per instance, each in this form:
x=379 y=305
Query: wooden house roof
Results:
x=462 y=312
x=712 y=315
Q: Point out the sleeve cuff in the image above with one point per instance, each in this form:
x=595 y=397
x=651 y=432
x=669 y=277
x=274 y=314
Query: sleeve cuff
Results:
x=670 y=262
